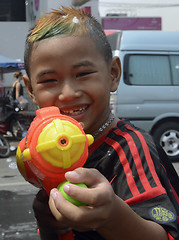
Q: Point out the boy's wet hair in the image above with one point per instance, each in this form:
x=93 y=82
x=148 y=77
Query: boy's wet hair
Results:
x=66 y=22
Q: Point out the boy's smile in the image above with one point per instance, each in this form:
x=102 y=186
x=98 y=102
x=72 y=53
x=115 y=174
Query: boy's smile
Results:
x=70 y=73
x=74 y=111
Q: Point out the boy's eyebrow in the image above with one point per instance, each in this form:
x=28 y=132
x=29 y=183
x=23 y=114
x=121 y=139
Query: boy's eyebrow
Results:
x=42 y=73
x=85 y=63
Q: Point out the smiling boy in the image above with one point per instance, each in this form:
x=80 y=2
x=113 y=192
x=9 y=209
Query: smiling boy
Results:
x=79 y=86
x=69 y=64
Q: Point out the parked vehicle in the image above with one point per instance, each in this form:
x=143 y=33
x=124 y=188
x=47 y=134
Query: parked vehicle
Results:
x=4 y=146
x=12 y=119
x=148 y=92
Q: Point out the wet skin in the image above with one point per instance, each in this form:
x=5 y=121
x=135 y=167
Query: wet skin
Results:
x=70 y=73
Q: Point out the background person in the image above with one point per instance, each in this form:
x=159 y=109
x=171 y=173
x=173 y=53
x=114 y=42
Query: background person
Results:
x=17 y=86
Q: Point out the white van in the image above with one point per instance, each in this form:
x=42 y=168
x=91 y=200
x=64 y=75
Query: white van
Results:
x=148 y=92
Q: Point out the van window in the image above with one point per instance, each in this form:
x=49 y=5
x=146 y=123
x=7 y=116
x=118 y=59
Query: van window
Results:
x=175 y=69
x=151 y=70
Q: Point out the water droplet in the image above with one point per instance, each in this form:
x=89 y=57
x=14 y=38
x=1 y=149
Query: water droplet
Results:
x=82 y=124
x=13 y=165
x=2 y=234
x=30 y=212
x=75 y=20
x=17 y=233
x=108 y=152
x=9 y=160
x=12 y=148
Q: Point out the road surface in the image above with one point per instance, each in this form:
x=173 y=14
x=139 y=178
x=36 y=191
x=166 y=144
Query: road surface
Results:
x=16 y=196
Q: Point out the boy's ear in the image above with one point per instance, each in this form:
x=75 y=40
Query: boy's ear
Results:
x=115 y=73
x=29 y=88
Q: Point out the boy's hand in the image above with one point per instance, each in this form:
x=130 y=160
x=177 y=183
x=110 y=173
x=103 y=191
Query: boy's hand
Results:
x=48 y=226
x=106 y=212
x=99 y=197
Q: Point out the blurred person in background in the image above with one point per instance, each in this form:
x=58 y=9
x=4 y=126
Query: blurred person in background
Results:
x=17 y=86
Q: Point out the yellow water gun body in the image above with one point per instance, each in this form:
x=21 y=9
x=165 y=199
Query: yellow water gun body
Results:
x=53 y=145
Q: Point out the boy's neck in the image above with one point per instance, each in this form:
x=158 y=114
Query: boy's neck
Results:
x=104 y=126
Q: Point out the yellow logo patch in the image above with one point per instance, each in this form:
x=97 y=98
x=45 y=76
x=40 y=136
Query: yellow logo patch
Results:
x=162 y=215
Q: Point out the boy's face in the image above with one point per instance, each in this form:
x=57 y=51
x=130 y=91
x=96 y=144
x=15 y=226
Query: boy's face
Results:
x=70 y=73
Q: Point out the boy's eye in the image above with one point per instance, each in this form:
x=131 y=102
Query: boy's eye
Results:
x=83 y=74
x=48 y=81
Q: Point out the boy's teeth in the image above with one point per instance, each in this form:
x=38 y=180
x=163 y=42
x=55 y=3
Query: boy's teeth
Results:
x=73 y=111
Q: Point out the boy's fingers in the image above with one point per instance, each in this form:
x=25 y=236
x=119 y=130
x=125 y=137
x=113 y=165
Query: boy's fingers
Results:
x=95 y=195
x=99 y=190
x=52 y=205
x=76 y=216
x=88 y=196
x=88 y=176
x=62 y=210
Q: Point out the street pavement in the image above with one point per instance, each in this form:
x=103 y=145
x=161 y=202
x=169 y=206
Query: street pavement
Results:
x=16 y=196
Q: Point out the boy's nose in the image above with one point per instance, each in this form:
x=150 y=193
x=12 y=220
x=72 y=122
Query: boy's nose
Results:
x=69 y=92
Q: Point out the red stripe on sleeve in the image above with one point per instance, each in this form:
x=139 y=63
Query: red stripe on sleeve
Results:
x=136 y=158
x=147 y=154
x=173 y=190
x=129 y=177
x=113 y=179
x=154 y=192
x=170 y=237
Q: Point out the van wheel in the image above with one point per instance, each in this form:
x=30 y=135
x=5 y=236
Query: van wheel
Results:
x=167 y=134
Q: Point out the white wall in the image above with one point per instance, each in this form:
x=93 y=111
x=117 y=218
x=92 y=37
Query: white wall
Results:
x=12 y=38
x=169 y=15
x=12 y=41
x=56 y=3
x=166 y=9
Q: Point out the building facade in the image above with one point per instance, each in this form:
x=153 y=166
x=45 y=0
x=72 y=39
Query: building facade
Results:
x=152 y=12
x=17 y=16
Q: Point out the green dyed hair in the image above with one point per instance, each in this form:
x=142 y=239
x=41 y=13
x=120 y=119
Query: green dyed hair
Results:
x=66 y=22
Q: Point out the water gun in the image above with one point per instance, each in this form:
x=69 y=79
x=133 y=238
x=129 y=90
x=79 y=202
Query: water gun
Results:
x=53 y=145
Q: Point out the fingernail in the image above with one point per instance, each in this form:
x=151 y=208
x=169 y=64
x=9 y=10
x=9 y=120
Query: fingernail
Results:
x=73 y=174
x=66 y=188
x=54 y=193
